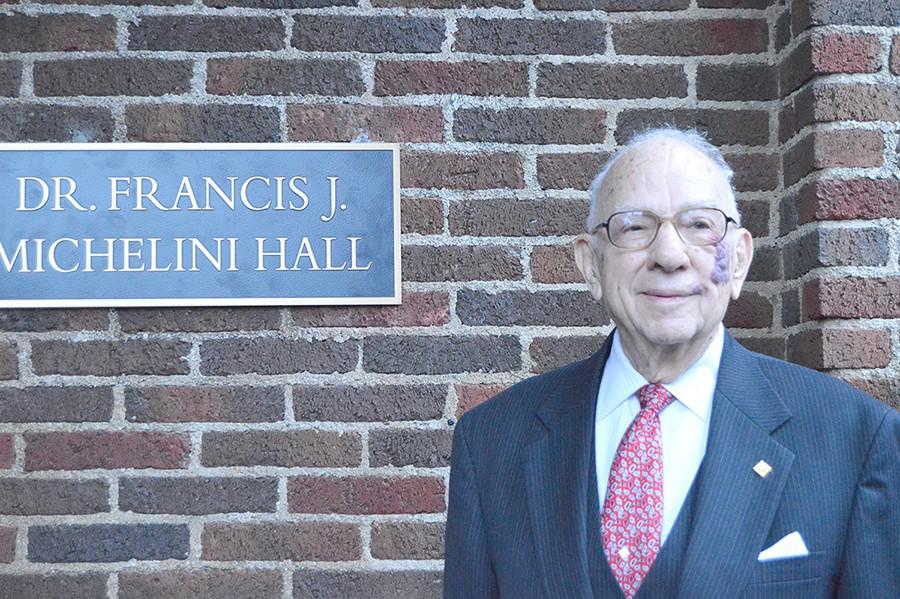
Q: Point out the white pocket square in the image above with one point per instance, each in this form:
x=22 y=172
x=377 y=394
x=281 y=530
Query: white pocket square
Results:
x=790 y=546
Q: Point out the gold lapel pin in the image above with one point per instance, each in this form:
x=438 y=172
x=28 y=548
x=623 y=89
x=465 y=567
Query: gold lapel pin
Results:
x=762 y=468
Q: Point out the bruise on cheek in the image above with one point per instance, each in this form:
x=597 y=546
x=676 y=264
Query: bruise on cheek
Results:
x=720 y=274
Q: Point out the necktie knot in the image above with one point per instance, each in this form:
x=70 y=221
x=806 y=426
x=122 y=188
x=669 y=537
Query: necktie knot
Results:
x=654 y=397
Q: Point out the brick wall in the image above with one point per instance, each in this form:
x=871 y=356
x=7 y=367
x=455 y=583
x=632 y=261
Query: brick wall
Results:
x=303 y=452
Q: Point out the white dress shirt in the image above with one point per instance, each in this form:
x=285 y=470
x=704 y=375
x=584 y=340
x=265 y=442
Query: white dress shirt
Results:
x=684 y=422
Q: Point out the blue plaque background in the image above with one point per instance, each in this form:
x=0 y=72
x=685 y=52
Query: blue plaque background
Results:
x=368 y=185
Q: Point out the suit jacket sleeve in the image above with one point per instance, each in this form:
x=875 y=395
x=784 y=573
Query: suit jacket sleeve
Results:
x=869 y=567
x=468 y=573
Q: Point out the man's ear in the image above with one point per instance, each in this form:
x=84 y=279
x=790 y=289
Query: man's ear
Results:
x=588 y=263
x=741 y=259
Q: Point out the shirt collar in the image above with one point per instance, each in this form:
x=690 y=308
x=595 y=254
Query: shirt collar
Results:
x=694 y=388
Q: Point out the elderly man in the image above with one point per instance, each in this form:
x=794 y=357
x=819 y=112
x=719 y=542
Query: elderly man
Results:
x=673 y=462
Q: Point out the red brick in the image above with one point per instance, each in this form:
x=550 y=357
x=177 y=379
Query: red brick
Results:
x=575 y=308
x=855 y=102
x=841 y=348
x=611 y=5
x=424 y=216
x=569 y=171
x=835 y=199
x=449 y=3
x=373 y=34
x=683 y=37
x=198 y=320
x=469 y=396
x=440 y=77
x=7 y=545
x=460 y=263
x=754 y=172
x=111 y=358
x=207 y=583
x=895 y=55
x=202 y=123
x=407 y=354
x=749 y=311
x=346 y=122
x=517 y=218
x=833 y=149
x=845 y=53
x=365 y=495
x=408 y=540
x=419 y=309
x=42 y=586
x=110 y=450
x=278 y=541
x=43 y=320
x=530 y=125
x=9 y=361
x=554 y=264
x=56 y=33
x=195 y=33
x=265 y=76
x=7 y=451
x=461 y=171
x=886 y=390
x=852 y=298
x=530 y=36
x=112 y=77
x=278 y=4
x=204 y=404
x=612 y=81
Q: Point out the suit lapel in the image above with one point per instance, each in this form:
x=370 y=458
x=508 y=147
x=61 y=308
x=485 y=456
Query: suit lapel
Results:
x=556 y=469
x=735 y=505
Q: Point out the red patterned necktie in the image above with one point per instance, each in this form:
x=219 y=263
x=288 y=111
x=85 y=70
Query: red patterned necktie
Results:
x=632 y=512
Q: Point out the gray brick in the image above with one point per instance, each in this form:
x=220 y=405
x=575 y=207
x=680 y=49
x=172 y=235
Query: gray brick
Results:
x=268 y=355
x=392 y=403
x=48 y=320
x=206 y=34
x=56 y=404
x=288 y=449
x=195 y=496
x=279 y=3
x=612 y=81
x=45 y=586
x=838 y=12
x=56 y=33
x=349 y=584
x=204 y=404
x=548 y=353
x=44 y=497
x=685 y=37
x=206 y=583
x=569 y=171
x=518 y=218
x=9 y=361
x=524 y=308
x=112 y=77
x=110 y=358
x=376 y=34
x=10 y=77
x=530 y=36
x=7 y=546
x=271 y=541
x=530 y=125
x=440 y=355
x=723 y=127
x=754 y=172
x=461 y=171
x=264 y=76
x=426 y=448
x=397 y=78
x=200 y=320
x=836 y=247
x=408 y=540
x=611 y=5
x=29 y=122
x=737 y=82
x=460 y=263
x=202 y=123
x=107 y=542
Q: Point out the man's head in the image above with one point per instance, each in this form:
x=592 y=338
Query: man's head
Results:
x=671 y=289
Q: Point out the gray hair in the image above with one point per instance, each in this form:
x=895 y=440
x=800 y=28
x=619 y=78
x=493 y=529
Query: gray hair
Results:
x=691 y=137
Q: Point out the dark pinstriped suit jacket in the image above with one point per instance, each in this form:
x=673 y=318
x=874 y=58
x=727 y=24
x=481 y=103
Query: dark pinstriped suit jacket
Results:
x=517 y=517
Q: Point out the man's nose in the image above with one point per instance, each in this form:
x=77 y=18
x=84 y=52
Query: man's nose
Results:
x=668 y=250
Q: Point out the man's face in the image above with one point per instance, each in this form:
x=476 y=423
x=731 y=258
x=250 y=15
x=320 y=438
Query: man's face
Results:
x=671 y=293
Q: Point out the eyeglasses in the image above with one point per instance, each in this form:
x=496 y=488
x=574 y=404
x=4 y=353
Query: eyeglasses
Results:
x=637 y=229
